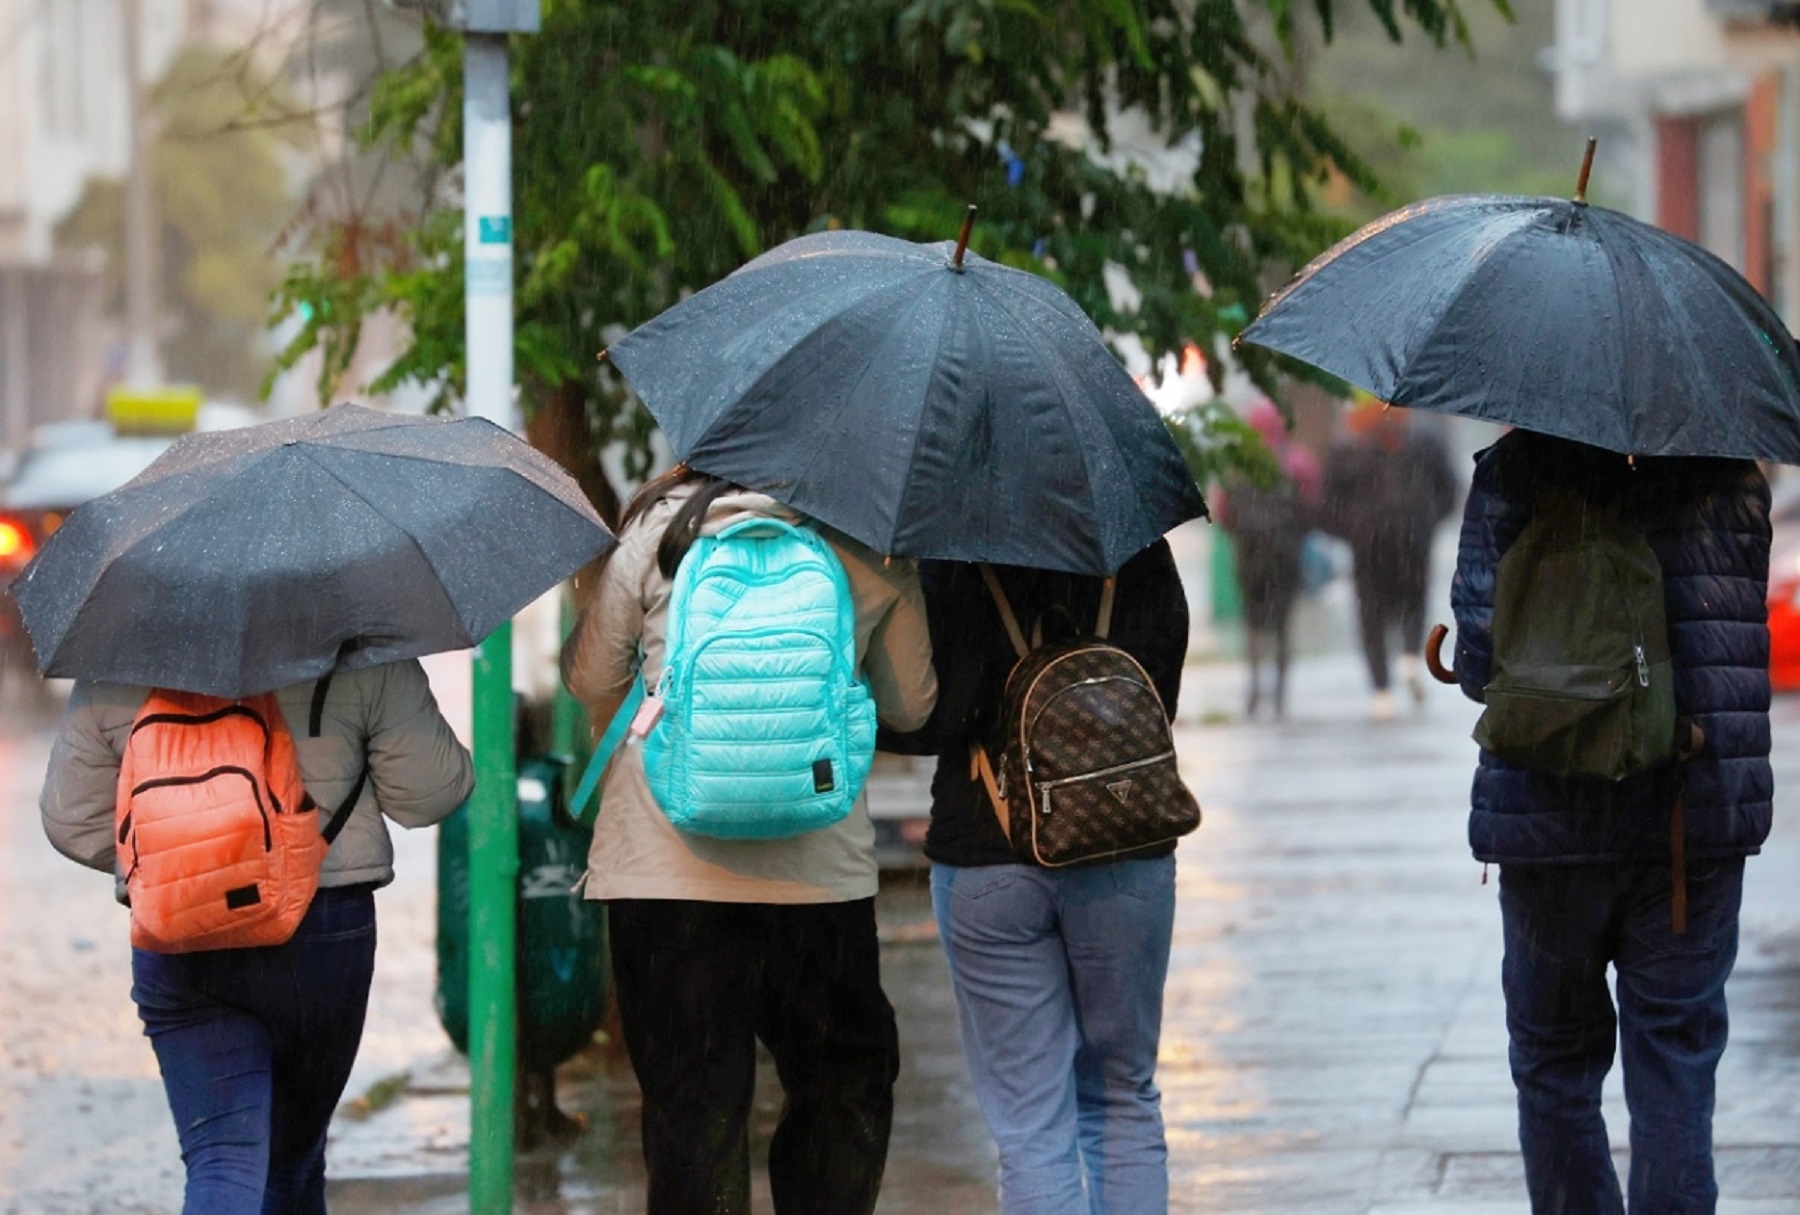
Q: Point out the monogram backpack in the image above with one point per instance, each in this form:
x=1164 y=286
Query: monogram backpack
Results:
x=1083 y=765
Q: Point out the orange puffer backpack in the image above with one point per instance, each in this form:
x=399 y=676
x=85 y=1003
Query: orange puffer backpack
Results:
x=219 y=842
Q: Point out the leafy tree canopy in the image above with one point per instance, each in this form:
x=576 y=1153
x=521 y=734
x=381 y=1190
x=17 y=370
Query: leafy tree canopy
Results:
x=220 y=188
x=1160 y=144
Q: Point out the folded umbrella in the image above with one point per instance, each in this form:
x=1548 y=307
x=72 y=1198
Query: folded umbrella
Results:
x=931 y=404
x=245 y=560
x=1552 y=315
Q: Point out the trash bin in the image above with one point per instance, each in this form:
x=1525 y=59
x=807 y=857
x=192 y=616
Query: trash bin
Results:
x=561 y=944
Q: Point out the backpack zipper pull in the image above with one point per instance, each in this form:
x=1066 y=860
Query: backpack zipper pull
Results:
x=1643 y=665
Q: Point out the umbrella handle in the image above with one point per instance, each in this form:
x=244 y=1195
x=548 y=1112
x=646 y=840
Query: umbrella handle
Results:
x=1434 y=659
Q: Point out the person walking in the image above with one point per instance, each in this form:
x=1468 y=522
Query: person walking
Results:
x=1388 y=484
x=1592 y=871
x=1058 y=973
x=718 y=943
x=1268 y=526
x=255 y=1045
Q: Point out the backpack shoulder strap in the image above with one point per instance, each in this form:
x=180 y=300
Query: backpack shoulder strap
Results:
x=1006 y=612
x=1103 y=618
x=315 y=725
x=596 y=764
x=983 y=767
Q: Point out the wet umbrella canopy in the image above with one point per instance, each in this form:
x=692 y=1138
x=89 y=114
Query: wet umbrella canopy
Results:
x=245 y=560
x=927 y=404
x=1552 y=315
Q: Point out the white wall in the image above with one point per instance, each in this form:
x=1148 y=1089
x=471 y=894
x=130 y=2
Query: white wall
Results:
x=63 y=105
x=1666 y=36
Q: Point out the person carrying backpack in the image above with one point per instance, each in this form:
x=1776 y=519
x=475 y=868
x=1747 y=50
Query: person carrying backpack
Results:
x=722 y=935
x=1388 y=484
x=1268 y=527
x=1058 y=972
x=256 y=1043
x=1643 y=872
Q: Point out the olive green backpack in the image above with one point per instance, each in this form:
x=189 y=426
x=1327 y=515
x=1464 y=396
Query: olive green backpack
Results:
x=1582 y=682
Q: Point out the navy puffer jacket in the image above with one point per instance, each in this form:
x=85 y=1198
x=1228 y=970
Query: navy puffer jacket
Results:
x=1708 y=521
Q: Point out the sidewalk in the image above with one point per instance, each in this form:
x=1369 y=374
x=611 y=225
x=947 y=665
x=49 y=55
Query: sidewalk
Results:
x=1334 y=1038
x=1333 y=1041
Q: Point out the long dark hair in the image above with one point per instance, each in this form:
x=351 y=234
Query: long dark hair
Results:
x=679 y=536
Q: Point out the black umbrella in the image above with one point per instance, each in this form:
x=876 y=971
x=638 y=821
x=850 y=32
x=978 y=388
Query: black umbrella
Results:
x=1551 y=315
x=245 y=560
x=931 y=404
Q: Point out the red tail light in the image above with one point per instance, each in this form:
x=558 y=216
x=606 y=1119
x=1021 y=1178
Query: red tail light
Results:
x=15 y=542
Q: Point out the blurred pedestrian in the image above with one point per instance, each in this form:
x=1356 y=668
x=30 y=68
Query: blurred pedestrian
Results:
x=1058 y=973
x=255 y=1045
x=1591 y=870
x=1268 y=527
x=717 y=943
x=1388 y=484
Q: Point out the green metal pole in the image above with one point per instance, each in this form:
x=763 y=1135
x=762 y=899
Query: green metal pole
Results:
x=493 y=810
x=493 y=930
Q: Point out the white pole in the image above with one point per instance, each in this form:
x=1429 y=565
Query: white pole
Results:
x=487 y=229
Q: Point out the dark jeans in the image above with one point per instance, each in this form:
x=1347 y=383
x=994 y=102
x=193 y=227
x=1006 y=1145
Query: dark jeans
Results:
x=698 y=984
x=1563 y=925
x=255 y=1047
x=1390 y=596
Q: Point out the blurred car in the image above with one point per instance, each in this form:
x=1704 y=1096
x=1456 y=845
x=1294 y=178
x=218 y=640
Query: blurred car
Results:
x=67 y=464
x=1784 y=586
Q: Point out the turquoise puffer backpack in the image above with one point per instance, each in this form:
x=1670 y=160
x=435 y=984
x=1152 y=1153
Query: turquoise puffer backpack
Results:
x=766 y=731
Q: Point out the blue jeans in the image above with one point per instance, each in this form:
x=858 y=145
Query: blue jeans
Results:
x=255 y=1047
x=1563 y=925
x=1059 y=976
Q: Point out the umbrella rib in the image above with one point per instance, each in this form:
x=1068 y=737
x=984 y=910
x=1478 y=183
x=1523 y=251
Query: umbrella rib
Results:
x=412 y=539
x=771 y=372
x=1031 y=338
x=918 y=423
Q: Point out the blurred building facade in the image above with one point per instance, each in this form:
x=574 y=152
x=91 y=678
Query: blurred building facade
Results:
x=1697 y=106
x=66 y=119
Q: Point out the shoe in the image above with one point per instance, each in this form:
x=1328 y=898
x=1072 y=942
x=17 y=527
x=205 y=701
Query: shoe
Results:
x=1409 y=674
x=1381 y=706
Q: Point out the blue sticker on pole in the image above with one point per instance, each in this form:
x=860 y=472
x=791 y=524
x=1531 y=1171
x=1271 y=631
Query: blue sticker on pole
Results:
x=494 y=229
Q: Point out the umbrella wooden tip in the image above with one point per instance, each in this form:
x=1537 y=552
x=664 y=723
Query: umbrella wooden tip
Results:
x=601 y=357
x=962 y=241
x=1587 y=167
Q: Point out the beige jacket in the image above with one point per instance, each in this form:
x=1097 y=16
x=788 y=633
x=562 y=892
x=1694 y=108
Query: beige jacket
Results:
x=418 y=771
x=636 y=853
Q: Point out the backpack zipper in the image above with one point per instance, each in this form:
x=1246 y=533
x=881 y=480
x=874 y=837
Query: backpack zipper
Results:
x=231 y=769
x=1643 y=665
x=1050 y=786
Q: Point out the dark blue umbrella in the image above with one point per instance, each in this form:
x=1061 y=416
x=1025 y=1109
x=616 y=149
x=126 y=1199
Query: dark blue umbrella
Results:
x=1551 y=315
x=931 y=404
x=245 y=560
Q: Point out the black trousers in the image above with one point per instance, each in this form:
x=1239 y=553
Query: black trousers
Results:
x=698 y=984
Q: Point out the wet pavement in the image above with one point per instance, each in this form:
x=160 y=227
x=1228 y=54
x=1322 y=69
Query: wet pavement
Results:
x=1333 y=1040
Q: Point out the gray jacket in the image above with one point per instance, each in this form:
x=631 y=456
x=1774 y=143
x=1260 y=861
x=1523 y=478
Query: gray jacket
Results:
x=385 y=716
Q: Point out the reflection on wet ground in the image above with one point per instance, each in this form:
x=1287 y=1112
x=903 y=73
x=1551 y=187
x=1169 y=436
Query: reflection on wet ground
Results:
x=942 y=1160
x=1333 y=1040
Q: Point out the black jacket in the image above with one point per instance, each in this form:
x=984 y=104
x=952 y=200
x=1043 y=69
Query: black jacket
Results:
x=973 y=656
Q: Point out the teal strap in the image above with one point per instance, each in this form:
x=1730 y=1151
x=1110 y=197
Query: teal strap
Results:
x=609 y=742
